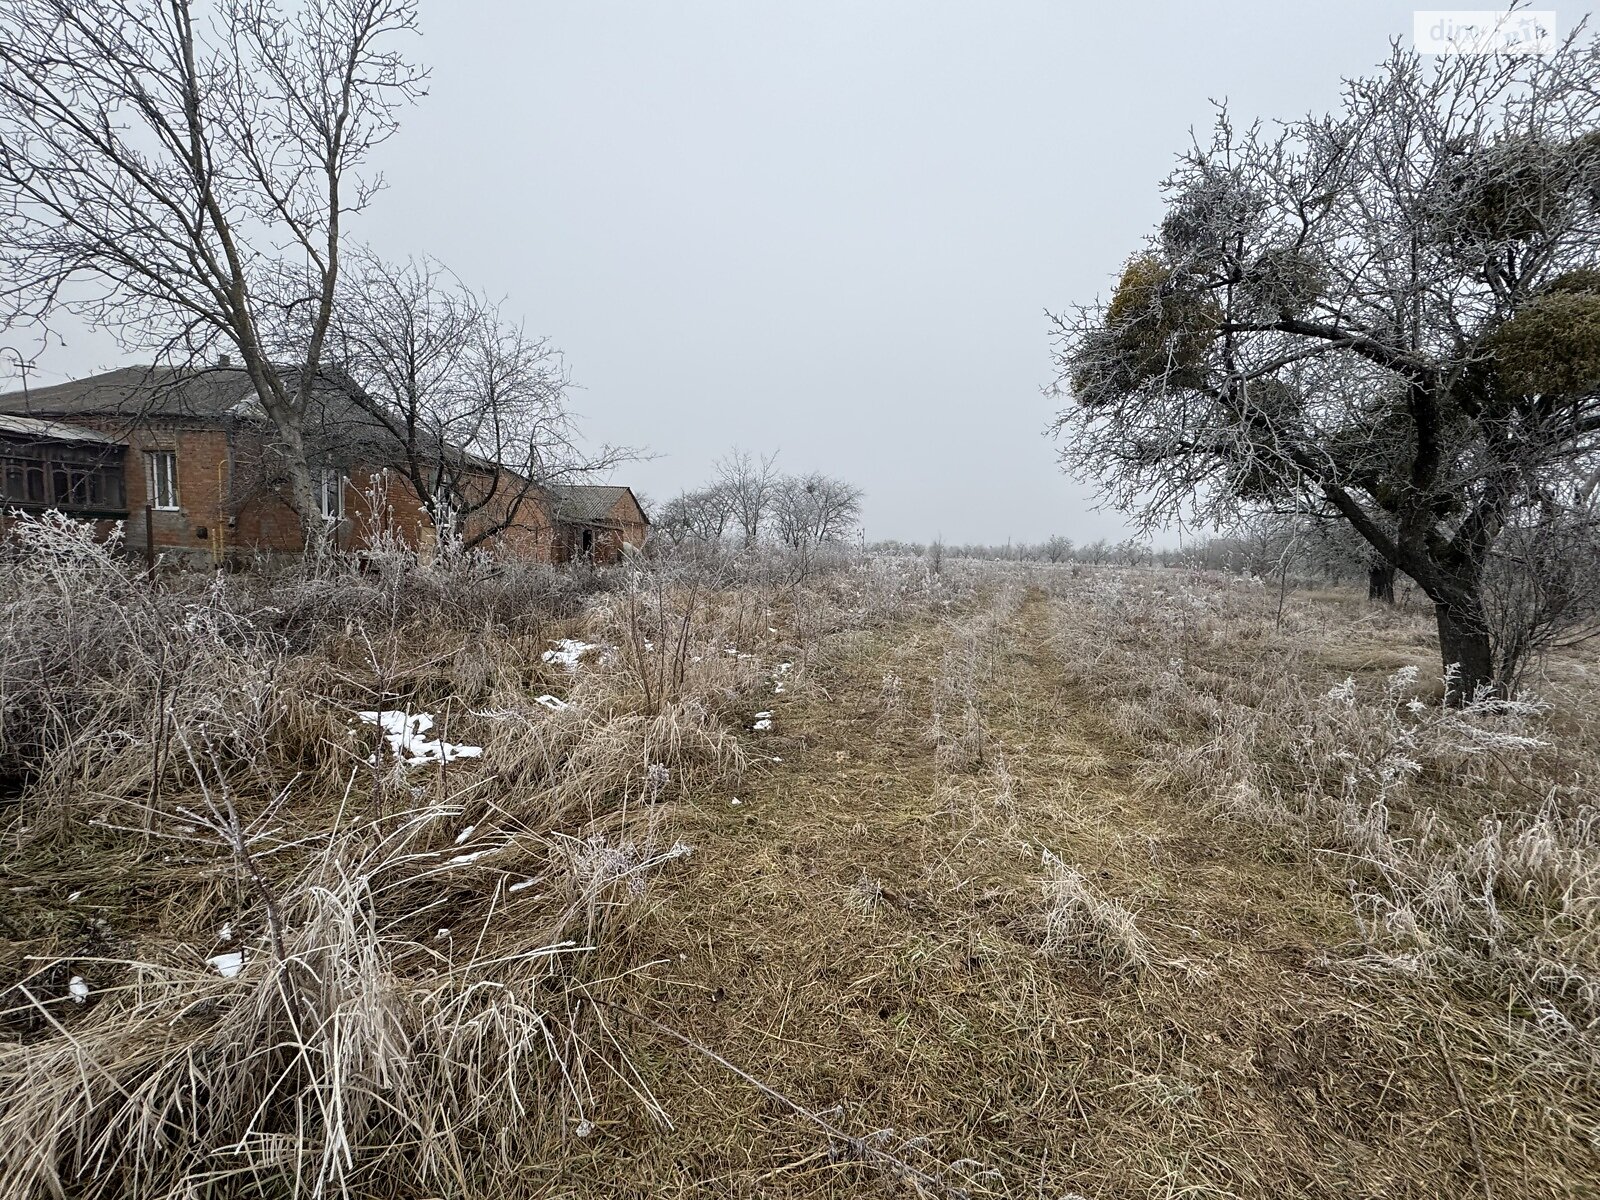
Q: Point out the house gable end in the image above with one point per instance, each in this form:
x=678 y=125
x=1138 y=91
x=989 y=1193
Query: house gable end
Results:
x=628 y=510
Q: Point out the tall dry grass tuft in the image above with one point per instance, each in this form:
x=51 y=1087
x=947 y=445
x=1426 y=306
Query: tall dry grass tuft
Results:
x=100 y=673
x=355 y=1057
x=1087 y=926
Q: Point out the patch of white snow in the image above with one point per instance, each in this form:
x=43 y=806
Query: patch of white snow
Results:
x=405 y=734
x=568 y=651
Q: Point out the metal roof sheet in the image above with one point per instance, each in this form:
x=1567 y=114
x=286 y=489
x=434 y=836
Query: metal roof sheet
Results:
x=54 y=431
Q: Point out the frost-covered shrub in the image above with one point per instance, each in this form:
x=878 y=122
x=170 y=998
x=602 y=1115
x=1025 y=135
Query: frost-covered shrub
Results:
x=105 y=678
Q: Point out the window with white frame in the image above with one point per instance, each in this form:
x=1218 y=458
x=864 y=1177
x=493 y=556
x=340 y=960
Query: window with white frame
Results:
x=161 y=479
x=330 y=494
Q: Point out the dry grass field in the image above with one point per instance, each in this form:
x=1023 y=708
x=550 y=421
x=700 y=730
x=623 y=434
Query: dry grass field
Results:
x=732 y=879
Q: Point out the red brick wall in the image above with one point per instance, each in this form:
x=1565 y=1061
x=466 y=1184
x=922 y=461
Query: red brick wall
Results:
x=198 y=527
x=373 y=498
x=227 y=505
x=635 y=528
x=528 y=535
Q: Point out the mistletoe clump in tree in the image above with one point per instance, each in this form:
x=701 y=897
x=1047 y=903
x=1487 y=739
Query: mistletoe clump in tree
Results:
x=1389 y=315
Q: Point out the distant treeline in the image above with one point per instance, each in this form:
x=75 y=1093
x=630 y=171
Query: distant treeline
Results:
x=1308 y=551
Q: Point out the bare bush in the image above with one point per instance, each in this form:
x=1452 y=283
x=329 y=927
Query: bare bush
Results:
x=1542 y=589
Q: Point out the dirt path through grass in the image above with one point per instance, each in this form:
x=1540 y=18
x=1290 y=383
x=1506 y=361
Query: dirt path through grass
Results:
x=869 y=930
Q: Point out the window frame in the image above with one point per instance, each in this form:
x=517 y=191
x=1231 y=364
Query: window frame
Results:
x=331 y=478
x=153 y=480
x=67 y=477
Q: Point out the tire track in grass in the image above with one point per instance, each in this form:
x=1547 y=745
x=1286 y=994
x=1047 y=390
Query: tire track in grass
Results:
x=868 y=933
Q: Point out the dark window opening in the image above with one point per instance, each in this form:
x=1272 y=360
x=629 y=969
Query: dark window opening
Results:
x=71 y=478
x=588 y=541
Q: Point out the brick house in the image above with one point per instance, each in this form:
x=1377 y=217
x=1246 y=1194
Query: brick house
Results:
x=594 y=521
x=185 y=461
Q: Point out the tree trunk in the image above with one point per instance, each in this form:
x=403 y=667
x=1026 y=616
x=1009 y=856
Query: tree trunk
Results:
x=1464 y=646
x=302 y=491
x=290 y=447
x=1380 y=582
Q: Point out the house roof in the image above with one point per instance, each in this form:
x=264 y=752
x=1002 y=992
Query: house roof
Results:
x=588 y=501
x=208 y=394
x=51 y=431
x=141 y=391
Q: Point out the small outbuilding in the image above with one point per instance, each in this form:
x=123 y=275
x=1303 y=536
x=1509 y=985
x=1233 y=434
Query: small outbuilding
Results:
x=595 y=522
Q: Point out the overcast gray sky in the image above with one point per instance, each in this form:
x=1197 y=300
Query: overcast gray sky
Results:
x=826 y=227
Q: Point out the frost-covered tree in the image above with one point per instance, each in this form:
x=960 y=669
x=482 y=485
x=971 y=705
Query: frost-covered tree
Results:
x=702 y=515
x=750 y=501
x=1389 y=314
x=1057 y=549
x=813 y=509
x=749 y=483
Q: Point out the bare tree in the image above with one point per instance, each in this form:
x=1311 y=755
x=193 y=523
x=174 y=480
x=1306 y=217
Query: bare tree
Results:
x=1542 y=586
x=749 y=484
x=814 y=509
x=468 y=407
x=1386 y=315
x=1058 y=549
x=703 y=516
x=182 y=175
x=1334 y=547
